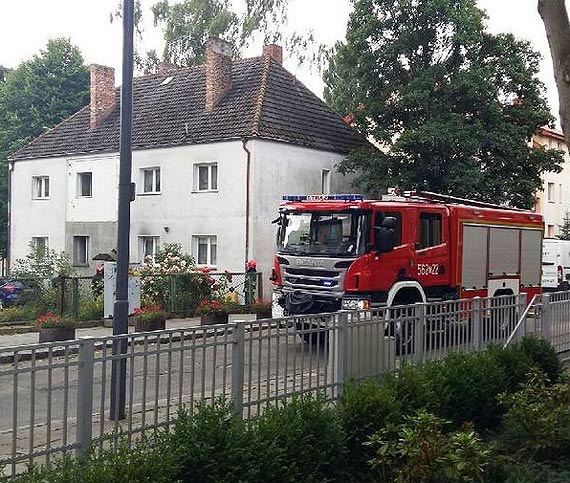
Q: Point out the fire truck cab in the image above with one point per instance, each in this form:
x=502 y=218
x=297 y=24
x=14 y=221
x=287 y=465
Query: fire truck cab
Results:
x=343 y=252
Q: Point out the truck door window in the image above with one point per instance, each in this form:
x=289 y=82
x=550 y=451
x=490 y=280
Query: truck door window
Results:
x=430 y=230
x=379 y=217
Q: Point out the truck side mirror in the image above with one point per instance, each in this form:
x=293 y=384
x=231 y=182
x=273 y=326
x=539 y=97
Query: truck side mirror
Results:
x=383 y=240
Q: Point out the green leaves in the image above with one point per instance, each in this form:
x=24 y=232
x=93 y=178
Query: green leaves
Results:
x=34 y=97
x=452 y=106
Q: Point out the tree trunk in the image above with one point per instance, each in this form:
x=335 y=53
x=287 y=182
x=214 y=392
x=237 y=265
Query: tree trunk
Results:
x=555 y=18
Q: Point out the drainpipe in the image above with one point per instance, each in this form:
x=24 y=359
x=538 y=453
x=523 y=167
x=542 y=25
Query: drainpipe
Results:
x=9 y=220
x=247 y=184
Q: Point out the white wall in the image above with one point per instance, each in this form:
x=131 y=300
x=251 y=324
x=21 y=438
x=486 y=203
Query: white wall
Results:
x=186 y=213
x=42 y=217
x=103 y=205
x=177 y=213
x=280 y=169
x=555 y=208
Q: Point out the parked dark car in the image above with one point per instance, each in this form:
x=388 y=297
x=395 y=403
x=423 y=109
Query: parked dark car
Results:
x=12 y=292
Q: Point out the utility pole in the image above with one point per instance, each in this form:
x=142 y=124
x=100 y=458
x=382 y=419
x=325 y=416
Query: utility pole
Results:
x=126 y=190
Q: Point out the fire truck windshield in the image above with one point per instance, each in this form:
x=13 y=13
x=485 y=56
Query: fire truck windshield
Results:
x=327 y=234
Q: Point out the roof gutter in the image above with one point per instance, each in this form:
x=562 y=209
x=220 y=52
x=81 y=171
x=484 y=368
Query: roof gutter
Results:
x=247 y=190
x=9 y=220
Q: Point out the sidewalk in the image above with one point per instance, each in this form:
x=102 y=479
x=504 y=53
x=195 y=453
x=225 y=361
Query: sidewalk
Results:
x=32 y=337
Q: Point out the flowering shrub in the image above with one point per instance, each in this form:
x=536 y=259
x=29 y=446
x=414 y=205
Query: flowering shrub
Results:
x=49 y=320
x=150 y=313
x=173 y=279
x=210 y=307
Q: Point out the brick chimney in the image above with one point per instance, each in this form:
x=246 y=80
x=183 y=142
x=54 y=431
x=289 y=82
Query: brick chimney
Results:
x=102 y=93
x=274 y=51
x=165 y=68
x=218 y=71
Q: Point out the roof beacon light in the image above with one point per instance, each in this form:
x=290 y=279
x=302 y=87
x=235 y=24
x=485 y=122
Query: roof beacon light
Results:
x=322 y=197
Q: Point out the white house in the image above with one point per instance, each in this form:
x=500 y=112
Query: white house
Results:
x=554 y=200
x=214 y=149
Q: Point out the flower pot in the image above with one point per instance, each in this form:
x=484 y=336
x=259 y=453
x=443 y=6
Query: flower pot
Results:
x=150 y=325
x=54 y=334
x=212 y=319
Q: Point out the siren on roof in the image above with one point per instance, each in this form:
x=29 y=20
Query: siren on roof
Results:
x=322 y=197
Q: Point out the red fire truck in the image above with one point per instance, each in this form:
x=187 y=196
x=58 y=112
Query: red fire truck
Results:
x=343 y=252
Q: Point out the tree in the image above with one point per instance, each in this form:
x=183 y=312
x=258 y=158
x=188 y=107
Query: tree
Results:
x=188 y=24
x=34 y=97
x=565 y=228
x=452 y=106
x=555 y=18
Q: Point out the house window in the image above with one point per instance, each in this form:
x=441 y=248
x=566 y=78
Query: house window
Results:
x=550 y=192
x=80 y=251
x=40 y=187
x=206 y=177
x=430 y=230
x=84 y=185
x=151 y=180
x=550 y=231
x=325 y=181
x=205 y=250
x=148 y=247
x=40 y=245
x=560 y=193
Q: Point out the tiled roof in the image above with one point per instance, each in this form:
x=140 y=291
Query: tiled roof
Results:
x=265 y=101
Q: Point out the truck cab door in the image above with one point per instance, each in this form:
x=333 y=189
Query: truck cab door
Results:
x=432 y=247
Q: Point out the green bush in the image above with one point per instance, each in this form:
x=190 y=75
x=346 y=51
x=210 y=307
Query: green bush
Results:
x=18 y=313
x=365 y=409
x=91 y=309
x=537 y=422
x=213 y=445
x=527 y=472
x=519 y=360
x=420 y=450
x=461 y=387
x=150 y=461
x=300 y=441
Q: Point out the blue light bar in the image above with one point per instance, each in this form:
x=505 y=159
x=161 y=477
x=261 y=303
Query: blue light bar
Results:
x=323 y=198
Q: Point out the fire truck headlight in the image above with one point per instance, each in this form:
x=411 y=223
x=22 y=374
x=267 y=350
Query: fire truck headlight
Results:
x=355 y=304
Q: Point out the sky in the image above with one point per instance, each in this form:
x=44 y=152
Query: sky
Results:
x=26 y=25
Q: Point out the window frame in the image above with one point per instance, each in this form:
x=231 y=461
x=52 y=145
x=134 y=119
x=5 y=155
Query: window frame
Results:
x=75 y=262
x=325 y=181
x=196 y=177
x=196 y=247
x=431 y=216
x=79 y=187
x=39 y=186
x=550 y=192
x=153 y=170
x=41 y=237
x=142 y=240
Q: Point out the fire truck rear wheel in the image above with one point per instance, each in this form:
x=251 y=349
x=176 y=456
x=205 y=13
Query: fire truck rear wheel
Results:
x=502 y=319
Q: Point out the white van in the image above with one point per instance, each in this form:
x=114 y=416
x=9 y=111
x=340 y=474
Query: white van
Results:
x=555 y=264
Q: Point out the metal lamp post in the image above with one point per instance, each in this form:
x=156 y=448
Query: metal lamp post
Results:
x=121 y=308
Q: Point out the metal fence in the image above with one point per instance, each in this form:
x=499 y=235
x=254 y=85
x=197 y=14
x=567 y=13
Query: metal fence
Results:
x=82 y=297
x=54 y=398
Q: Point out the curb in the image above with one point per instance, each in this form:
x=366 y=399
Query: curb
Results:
x=26 y=355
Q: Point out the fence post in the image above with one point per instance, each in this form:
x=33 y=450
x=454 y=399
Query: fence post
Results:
x=342 y=352
x=85 y=396
x=477 y=320
x=172 y=291
x=75 y=297
x=419 y=326
x=521 y=307
x=238 y=357
x=546 y=314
